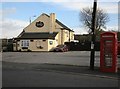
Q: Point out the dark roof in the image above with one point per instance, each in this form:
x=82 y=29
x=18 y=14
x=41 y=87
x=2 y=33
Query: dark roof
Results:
x=41 y=35
x=61 y=24
x=65 y=27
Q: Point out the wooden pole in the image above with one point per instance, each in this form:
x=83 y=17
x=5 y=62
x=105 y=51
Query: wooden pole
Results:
x=92 y=56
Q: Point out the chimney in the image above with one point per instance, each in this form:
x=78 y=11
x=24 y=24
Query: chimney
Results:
x=52 y=22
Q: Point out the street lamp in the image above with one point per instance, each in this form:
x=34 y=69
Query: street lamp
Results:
x=31 y=17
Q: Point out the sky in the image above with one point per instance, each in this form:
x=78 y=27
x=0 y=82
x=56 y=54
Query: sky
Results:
x=15 y=14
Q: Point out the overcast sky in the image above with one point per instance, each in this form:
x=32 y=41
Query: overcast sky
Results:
x=15 y=14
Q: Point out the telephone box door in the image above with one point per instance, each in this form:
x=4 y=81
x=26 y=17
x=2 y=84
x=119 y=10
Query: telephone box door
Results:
x=108 y=52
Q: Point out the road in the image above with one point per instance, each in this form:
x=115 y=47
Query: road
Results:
x=80 y=58
x=71 y=58
x=44 y=75
x=49 y=69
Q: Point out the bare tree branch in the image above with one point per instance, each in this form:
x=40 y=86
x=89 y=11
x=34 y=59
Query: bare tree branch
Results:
x=101 y=19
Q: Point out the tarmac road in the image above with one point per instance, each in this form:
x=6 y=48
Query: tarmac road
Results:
x=47 y=75
x=70 y=58
x=49 y=69
x=80 y=58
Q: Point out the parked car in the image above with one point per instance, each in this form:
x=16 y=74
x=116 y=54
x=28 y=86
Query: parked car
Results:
x=60 y=48
x=119 y=48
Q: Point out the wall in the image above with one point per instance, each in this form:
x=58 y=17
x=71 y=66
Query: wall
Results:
x=34 y=45
x=82 y=46
x=51 y=46
x=14 y=47
x=49 y=26
x=39 y=45
x=71 y=35
x=32 y=27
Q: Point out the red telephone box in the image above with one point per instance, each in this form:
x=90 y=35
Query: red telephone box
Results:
x=108 y=52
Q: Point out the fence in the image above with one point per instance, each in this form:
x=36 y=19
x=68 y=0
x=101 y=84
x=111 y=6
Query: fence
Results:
x=82 y=46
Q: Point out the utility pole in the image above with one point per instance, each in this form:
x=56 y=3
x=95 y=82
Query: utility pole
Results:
x=92 y=56
x=119 y=16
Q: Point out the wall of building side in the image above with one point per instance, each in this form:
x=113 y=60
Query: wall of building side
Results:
x=14 y=47
x=58 y=29
x=71 y=35
x=66 y=35
x=32 y=27
x=63 y=34
x=57 y=40
x=52 y=22
x=38 y=45
x=50 y=25
x=51 y=46
x=18 y=45
x=34 y=45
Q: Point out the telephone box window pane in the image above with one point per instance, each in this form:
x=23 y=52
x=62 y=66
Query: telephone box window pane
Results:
x=108 y=53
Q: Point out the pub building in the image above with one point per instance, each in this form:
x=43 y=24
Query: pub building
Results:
x=43 y=34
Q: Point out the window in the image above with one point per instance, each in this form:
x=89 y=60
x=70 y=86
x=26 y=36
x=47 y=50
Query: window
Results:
x=27 y=43
x=51 y=42
x=31 y=40
x=44 y=40
x=24 y=43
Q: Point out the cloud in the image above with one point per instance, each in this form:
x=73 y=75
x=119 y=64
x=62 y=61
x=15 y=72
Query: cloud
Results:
x=83 y=30
x=6 y=24
x=11 y=27
x=109 y=7
x=80 y=30
x=112 y=28
x=7 y=11
x=75 y=5
x=106 y=6
x=58 y=0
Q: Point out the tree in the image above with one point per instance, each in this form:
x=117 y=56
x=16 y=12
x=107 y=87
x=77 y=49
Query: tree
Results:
x=101 y=19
